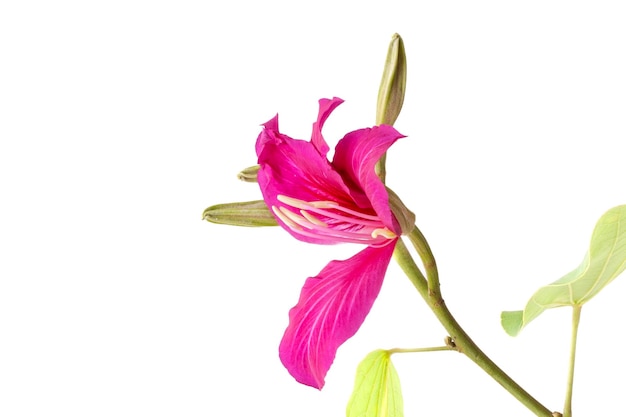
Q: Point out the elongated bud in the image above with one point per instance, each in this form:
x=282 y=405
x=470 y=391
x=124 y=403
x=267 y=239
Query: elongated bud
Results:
x=393 y=84
x=405 y=217
x=391 y=92
x=249 y=174
x=248 y=213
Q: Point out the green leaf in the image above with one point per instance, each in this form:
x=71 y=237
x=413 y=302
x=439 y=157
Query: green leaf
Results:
x=604 y=261
x=376 y=388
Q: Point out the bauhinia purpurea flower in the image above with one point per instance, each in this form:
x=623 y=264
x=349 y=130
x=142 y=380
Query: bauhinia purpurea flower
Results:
x=327 y=202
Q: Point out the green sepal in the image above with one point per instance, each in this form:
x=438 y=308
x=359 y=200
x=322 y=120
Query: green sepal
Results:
x=405 y=217
x=604 y=261
x=377 y=390
x=247 y=213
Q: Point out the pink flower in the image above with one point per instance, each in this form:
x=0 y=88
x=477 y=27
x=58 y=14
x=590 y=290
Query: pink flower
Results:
x=319 y=201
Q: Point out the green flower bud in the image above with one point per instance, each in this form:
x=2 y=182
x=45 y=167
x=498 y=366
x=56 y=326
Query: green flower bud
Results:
x=248 y=213
x=249 y=174
x=391 y=92
x=393 y=84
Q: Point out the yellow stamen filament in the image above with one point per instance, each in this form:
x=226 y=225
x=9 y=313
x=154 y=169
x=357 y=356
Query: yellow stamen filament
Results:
x=309 y=205
x=312 y=219
x=284 y=218
x=383 y=232
x=342 y=224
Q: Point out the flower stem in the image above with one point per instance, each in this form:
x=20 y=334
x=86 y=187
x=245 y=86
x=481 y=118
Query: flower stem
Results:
x=567 y=409
x=408 y=265
x=462 y=341
x=428 y=260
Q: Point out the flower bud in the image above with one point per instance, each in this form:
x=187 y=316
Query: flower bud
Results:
x=393 y=84
x=248 y=213
x=249 y=174
x=391 y=92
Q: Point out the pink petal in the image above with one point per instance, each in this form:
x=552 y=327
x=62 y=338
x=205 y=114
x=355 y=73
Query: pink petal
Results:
x=295 y=168
x=269 y=126
x=326 y=108
x=332 y=307
x=356 y=156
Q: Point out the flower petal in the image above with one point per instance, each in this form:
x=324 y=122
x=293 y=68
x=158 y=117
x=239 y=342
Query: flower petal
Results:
x=269 y=126
x=326 y=108
x=332 y=307
x=355 y=158
x=294 y=168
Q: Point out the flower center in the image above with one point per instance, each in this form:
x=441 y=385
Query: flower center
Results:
x=330 y=221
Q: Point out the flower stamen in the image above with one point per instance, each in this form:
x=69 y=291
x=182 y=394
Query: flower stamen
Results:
x=327 y=220
x=312 y=219
x=384 y=232
x=313 y=205
x=284 y=218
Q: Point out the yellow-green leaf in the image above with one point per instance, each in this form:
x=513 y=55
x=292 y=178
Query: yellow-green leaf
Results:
x=376 y=388
x=604 y=261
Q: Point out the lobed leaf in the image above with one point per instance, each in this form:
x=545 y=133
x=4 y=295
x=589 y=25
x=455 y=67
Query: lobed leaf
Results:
x=376 y=388
x=604 y=261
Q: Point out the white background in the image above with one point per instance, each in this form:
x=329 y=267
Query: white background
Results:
x=120 y=121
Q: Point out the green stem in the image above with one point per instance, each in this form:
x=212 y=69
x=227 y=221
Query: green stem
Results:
x=428 y=260
x=567 y=409
x=417 y=350
x=408 y=265
x=462 y=341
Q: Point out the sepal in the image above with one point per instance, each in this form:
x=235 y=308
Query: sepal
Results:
x=404 y=216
